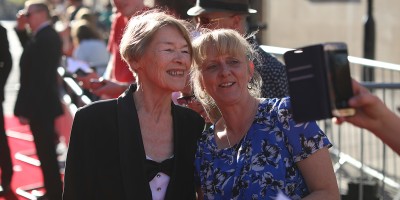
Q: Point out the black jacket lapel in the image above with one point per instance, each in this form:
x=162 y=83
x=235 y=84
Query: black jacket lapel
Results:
x=131 y=149
x=177 y=131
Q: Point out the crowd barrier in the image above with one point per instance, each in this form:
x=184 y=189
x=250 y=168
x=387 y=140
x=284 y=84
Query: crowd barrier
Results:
x=365 y=167
x=73 y=94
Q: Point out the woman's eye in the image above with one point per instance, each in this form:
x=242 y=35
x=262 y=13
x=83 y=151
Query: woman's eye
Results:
x=210 y=67
x=185 y=51
x=234 y=61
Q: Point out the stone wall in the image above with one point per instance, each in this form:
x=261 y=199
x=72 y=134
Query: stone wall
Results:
x=297 y=23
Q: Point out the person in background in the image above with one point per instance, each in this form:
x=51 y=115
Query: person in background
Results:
x=64 y=22
x=38 y=103
x=373 y=115
x=73 y=7
x=255 y=150
x=232 y=14
x=89 y=16
x=105 y=19
x=177 y=8
x=118 y=77
x=89 y=46
x=5 y=155
x=140 y=145
x=92 y=50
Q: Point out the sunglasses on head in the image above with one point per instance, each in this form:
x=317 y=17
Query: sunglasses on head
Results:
x=185 y=100
x=205 y=20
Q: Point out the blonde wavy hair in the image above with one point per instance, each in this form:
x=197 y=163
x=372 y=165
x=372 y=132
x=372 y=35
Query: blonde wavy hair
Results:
x=225 y=42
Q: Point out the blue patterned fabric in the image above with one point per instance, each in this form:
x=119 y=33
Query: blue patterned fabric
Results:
x=263 y=163
x=272 y=72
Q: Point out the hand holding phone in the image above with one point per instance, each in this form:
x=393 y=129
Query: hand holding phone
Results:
x=319 y=81
x=97 y=83
x=80 y=73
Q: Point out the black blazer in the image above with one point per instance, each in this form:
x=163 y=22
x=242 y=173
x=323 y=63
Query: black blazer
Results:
x=38 y=95
x=106 y=155
x=5 y=61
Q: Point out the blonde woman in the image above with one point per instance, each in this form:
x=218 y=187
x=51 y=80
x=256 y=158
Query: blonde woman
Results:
x=255 y=150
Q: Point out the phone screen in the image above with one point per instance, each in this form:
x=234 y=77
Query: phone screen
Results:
x=340 y=77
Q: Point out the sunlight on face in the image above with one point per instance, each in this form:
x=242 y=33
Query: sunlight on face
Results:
x=166 y=60
x=224 y=77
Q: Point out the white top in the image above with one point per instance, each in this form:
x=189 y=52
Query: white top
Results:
x=158 y=185
x=94 y=52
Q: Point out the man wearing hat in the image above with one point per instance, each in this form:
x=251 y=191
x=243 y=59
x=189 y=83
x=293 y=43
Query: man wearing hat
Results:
x=231 y=14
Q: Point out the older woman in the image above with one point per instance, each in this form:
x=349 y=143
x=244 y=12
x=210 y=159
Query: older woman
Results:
x=140 y=145
x=255 y=150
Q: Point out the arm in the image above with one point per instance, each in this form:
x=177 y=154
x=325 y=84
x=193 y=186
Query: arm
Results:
x=318 y=173
x=5 y=59
x=309 y=147
x=110 y=89
x=20 y=28
x=199 y=193
x=373 y=115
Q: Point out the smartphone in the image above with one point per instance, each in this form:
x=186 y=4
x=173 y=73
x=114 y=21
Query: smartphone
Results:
x=80 y=73
x=339 y=78
x=319 y=81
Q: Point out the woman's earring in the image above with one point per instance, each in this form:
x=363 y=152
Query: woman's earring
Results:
x=202 y=95
x=249 y=86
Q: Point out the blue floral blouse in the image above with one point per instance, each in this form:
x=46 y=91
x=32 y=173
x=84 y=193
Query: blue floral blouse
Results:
x=263 y=163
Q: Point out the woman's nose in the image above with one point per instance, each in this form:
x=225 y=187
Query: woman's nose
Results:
x=224 y=69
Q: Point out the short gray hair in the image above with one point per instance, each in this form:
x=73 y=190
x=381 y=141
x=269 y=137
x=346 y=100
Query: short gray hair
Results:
x=141 y=29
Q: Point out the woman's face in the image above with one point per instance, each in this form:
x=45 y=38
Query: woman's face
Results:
x=225 y=77
x=166 y=61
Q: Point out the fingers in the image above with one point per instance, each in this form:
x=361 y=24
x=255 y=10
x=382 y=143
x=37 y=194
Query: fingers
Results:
x=97 y=83
x=358 y=88
x=103 y=89
x=85 y=81
x=338 y=120
x=362 y=96
x=363 y=99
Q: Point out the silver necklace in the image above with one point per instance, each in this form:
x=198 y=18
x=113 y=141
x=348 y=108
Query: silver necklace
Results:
x=227 y=135
x=237 y=150
x=229 y=142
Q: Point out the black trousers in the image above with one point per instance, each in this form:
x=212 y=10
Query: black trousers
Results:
x=44 y=136
x=5 y=155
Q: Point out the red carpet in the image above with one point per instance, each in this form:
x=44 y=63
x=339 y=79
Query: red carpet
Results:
x=24 y=173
